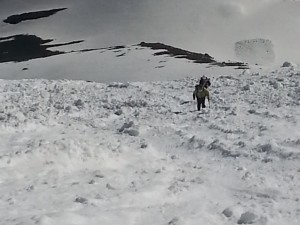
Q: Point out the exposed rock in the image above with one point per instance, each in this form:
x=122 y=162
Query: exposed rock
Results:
x=174 y=221
x=81 y=200
x=92 y=181
x=246 y=87
x=109 y=187
x=144 y=145
x=78 y=103
x=126 y=126
x=247 y=218
x=132 y=132
x=265 y=148
x=227 y=212
x=287 y=64
x=99 y=176
x=119 y=112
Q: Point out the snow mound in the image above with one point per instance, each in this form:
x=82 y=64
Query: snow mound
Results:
x=255 y=51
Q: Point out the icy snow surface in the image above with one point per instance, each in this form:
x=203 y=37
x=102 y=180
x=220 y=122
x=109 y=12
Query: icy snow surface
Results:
x=78 y=153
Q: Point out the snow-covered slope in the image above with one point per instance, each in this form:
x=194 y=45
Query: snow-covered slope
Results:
x=77 y=153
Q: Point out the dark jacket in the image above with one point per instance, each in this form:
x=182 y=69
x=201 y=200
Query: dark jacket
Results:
x=201 y=92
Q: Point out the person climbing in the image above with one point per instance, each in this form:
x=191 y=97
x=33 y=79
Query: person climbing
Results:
x=201 y=93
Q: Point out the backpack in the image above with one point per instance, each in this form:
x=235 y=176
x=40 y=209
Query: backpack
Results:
x=200 y=91
x=205 y=81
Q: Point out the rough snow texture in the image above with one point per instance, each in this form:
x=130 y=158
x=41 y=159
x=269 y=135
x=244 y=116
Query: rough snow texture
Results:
x=75 y=152
x=256 y=51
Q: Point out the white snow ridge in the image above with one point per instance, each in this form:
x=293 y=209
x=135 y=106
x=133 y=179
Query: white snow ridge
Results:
x=77 y=153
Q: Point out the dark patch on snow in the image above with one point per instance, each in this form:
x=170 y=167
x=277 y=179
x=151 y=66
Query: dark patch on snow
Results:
x=89 y=50
x=227 y=212
x=92 y=181
x=118 y=85
x=109 y=187
x=81 y=200
x=174 y=221
x=144 y=145
x=24 y=47
x=178 y=53
x=132 y=132
x=116 y=47
x=239 y=65
x=126 y=126
x=247 y=218
x=79 y=103
x=243 y=68
x=287 y=64
x=193 y=56
x=119 y=112
x=120 y=55
x=15 y=19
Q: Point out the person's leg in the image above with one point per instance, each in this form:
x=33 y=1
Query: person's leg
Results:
x=198 y=104
x=202 y=100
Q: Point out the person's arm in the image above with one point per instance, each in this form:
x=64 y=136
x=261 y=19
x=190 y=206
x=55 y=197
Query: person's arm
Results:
x=194 y=95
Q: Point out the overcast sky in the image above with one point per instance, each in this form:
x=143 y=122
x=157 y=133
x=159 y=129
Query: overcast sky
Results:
x=211 y=26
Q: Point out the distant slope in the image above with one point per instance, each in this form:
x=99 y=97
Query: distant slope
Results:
x=195 y=57
x=30 y=55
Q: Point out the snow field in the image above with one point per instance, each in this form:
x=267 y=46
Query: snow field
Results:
x=75 y=152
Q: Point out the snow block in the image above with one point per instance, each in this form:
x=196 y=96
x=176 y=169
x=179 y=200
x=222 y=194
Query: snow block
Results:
x=256 y=51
